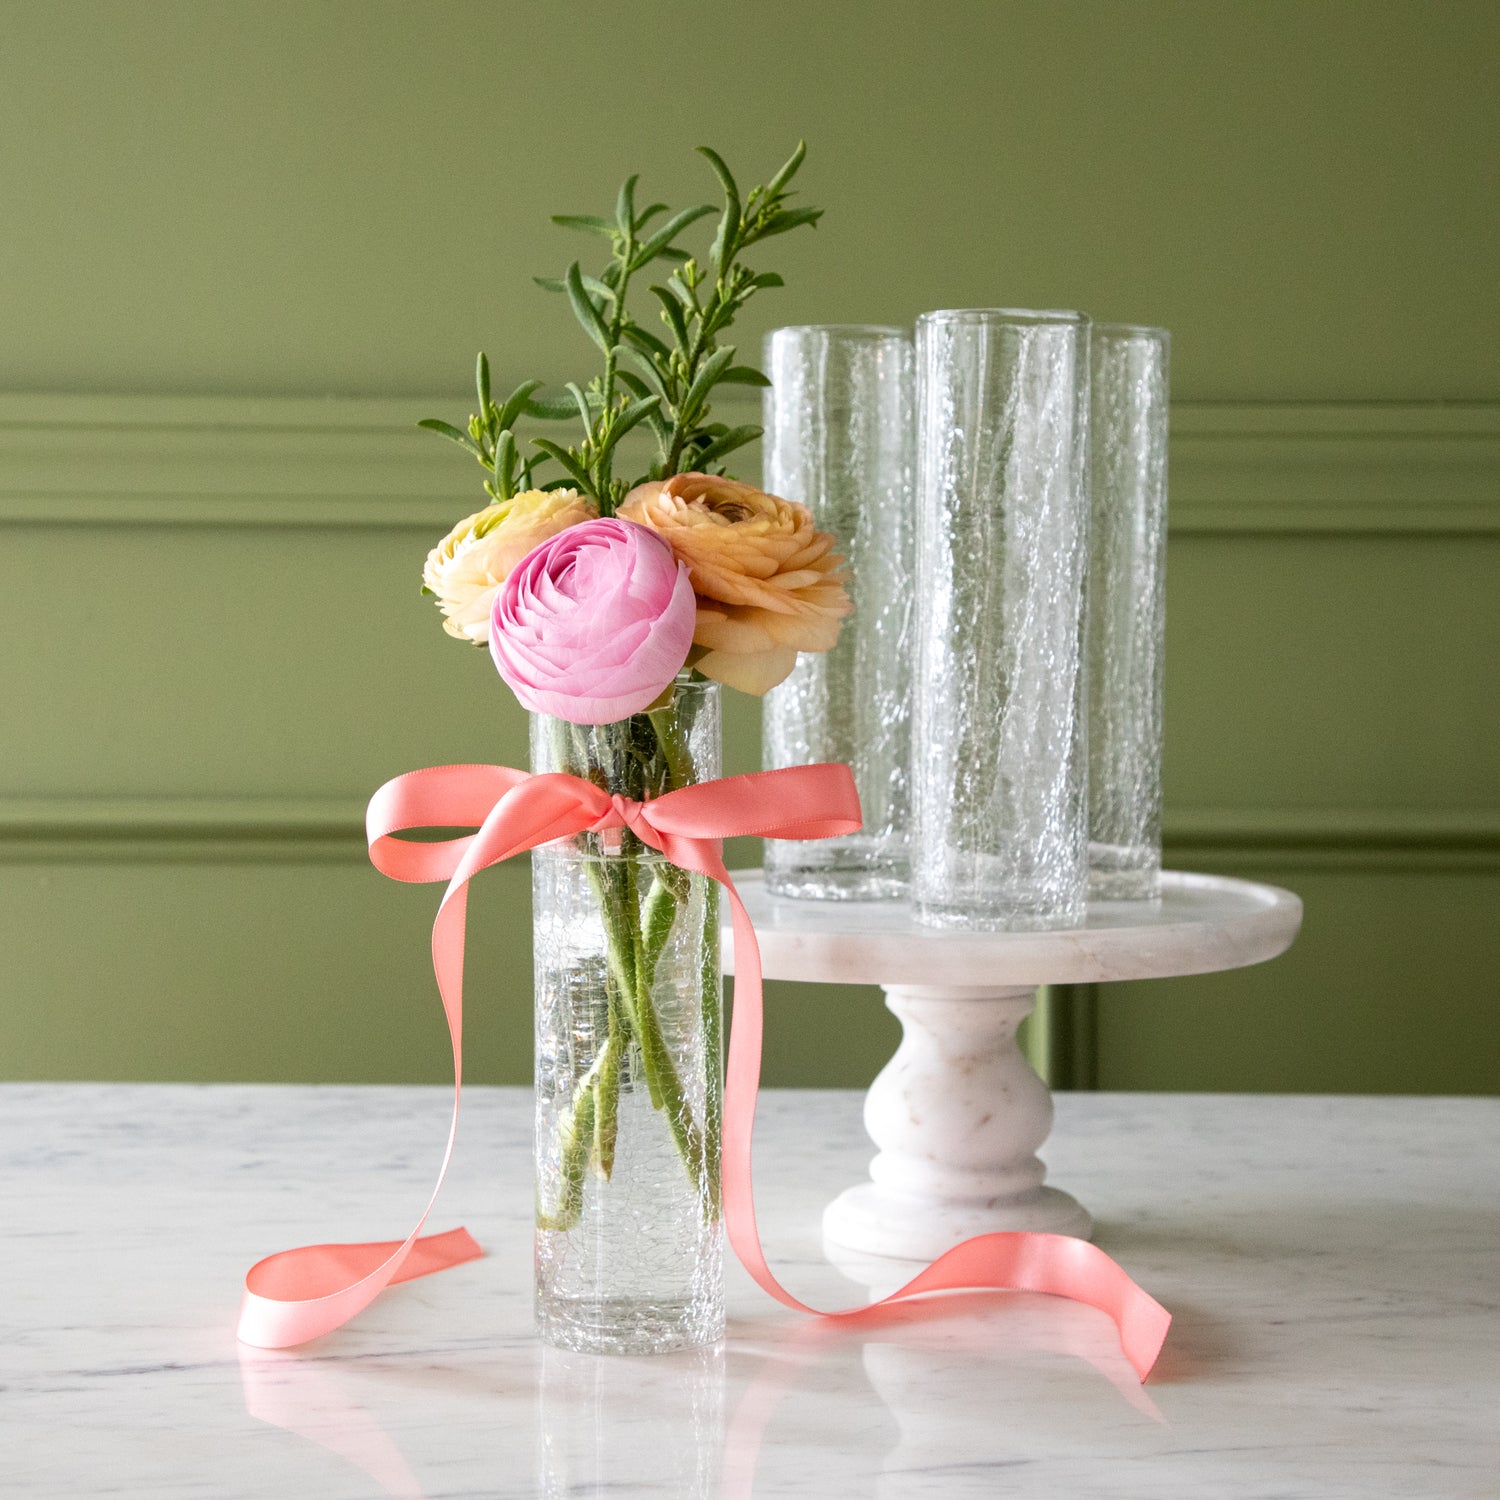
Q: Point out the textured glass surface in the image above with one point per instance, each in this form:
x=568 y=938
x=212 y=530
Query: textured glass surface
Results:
x=840 y=438
x=999 y=835
x=1127 y=609
x=629 y=1253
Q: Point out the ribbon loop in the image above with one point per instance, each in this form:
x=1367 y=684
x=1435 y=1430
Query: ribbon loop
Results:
x=299 y=1294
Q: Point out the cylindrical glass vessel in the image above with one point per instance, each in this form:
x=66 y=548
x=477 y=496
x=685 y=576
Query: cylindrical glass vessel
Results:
x=840 y=438
x=629 y=1250
x=1127 y=608
x=999 y=832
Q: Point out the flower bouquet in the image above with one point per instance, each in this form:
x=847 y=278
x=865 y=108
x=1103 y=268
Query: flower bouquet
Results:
x=614 y=608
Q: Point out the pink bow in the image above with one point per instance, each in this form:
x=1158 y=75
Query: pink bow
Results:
x=299 y=1294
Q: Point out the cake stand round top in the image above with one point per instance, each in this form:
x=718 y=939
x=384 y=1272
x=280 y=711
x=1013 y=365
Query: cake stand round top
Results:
x=1201 y=924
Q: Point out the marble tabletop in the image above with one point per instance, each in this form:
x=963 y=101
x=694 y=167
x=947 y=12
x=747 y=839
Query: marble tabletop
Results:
x=1333 y=1265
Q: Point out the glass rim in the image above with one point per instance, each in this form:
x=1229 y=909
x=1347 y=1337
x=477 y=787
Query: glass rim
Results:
x=1132 y=331
x=846 y=330
x=1025 y=317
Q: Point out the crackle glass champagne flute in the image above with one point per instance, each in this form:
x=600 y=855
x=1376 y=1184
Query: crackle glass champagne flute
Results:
x=1127 y=608
x=1000 y=832
x=840 y=439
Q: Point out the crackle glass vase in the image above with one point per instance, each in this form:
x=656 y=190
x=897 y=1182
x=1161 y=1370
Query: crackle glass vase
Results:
x=840 y=438
x=1127 y=608
x=629 y=1245
x=1000 y=808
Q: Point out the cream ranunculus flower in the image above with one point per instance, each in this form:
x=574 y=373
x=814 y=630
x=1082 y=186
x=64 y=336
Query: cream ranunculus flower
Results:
x=767 y=581
x=466 y=568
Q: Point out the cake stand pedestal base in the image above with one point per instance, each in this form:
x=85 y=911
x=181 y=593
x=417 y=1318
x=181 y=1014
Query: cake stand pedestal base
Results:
x=958 y=1115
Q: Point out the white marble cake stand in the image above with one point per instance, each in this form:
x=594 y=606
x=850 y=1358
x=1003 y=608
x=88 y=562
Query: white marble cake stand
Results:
x=958 y=1113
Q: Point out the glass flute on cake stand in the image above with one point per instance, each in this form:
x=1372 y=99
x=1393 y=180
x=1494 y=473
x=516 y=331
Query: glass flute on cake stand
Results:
x=1000 y=834
x=1001 y=821
x=1127 y=608
x=839 y=439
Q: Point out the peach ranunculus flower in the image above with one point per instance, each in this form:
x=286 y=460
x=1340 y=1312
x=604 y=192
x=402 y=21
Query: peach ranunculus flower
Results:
x=767 y=581
x=465 y=569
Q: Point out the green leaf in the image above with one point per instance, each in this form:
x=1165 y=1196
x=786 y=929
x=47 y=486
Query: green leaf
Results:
x=482 y=384
x=643 y=363
x=449 y=431
x=516 y=403
x=505 y=462
x=589 y=223
x=704 y=381
x=722 y=172
x=660 y=242
x=632 y=416
x=674 y=253
x=736 y=437
x=585 y=311
x=647 y=214
x=783 y=220
x=625 y=205
x=551 y=408
x=578 y=474
x=673 y=309
x=647 y=343
x=789 y=171
x=633 y=383
x=743 y=375
x=591 y=284
x=585 y=412
x=765 y=279
x=638 y=387
x=729 y=224
x=682 y=293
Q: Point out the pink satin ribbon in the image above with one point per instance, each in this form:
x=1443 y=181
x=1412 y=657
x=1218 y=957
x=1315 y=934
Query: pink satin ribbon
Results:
x=297 y=1295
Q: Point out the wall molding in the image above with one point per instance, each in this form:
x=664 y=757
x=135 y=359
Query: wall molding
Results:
x=234 y=829
x=1332 y=828
x=218 y=462
x=1340 y=469
x=294 y=462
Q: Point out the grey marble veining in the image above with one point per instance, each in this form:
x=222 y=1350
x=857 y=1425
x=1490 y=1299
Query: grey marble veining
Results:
x=1333 y=1265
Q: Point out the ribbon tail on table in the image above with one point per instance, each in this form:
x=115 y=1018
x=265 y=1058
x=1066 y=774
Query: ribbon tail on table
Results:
x=298 y=1294
x=1058 y=1264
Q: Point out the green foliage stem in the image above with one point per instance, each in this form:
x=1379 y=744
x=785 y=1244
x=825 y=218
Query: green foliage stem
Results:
x=671 y=380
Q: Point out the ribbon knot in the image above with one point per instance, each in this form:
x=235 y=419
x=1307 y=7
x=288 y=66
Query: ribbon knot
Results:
x=297 y=1295
x=626 y=812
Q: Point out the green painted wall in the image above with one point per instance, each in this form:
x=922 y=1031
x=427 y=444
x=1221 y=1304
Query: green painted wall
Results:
x=216 y=216
x=342 y=197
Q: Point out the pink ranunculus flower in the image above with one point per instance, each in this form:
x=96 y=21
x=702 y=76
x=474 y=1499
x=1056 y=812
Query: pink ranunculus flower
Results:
x=592 y=625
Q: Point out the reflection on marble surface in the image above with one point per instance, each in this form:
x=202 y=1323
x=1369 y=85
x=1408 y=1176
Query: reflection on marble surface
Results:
x=307 y=1397
x=1333 y=1265
x=676 y=1439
